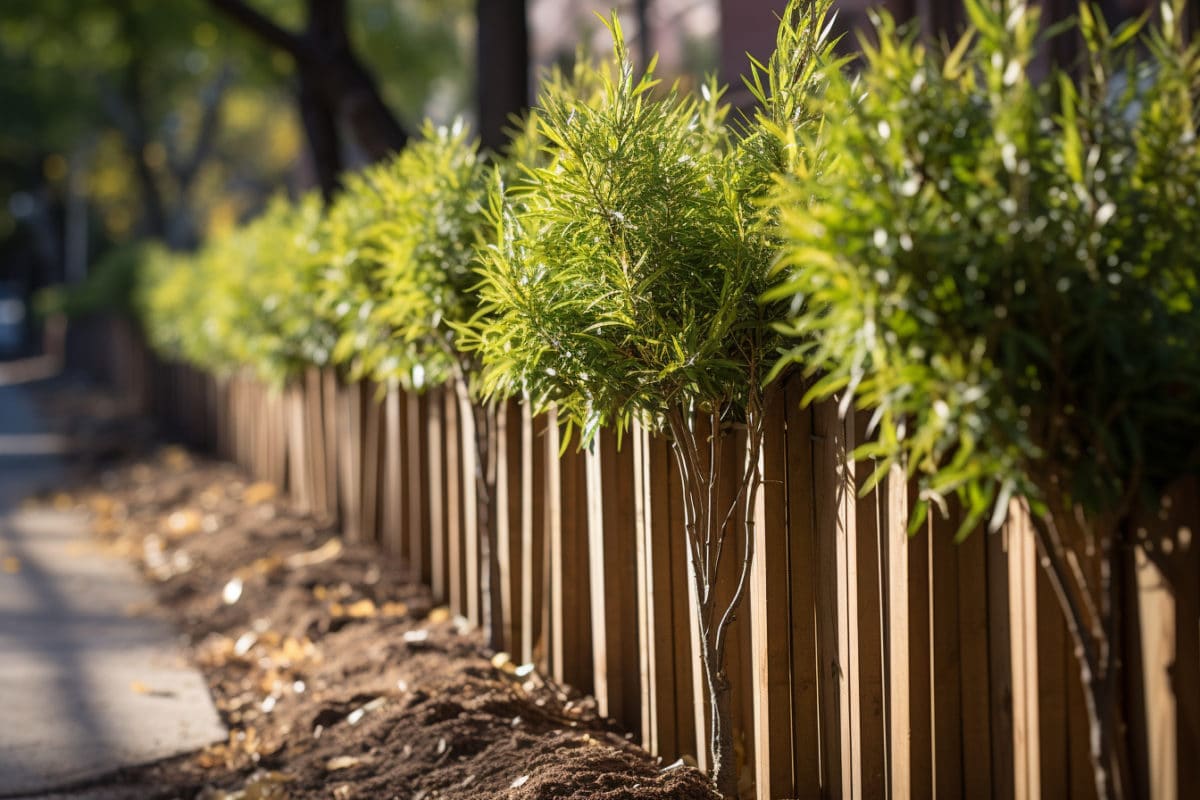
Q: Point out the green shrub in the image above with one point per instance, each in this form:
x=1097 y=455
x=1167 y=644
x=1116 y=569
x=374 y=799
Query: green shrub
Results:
x=624 y=274
x=108 y=287
x=1005 y=271
x=403 y=238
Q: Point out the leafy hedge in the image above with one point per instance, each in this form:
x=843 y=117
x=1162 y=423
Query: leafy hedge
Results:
x=1003 y=269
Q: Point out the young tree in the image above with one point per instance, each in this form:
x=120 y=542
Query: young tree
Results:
x=624 y=276
x=1005 y=272
x=403 y=240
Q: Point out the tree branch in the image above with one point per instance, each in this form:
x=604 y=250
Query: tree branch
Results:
x=261 y=26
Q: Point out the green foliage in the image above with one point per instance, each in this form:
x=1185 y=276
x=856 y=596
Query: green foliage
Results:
x=402 y=238
x=624 y=271
x=1006 y=271
x=108 y=287
x=246 y=299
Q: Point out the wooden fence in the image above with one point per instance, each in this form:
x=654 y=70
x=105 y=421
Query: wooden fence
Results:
x=866 y=663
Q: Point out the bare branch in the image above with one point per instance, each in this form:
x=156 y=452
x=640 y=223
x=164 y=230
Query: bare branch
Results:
x=261 y=26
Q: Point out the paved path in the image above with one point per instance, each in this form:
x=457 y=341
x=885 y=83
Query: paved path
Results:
x=85 y=688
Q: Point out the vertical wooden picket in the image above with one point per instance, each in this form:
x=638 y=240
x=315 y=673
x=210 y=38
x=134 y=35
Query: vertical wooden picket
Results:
x=533 y=543
x=570 y=619
x=456 y=555
x=393 y=500
x=899 y=640
x=612 y=571
x=768 y=611
x=1023 y=617
x=833 y=479
x=652 y=524
x=869 y=531
x=435 y=497
x=507 y=521
x=420 y=468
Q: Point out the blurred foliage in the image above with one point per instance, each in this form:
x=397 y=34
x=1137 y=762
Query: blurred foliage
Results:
x=108 y=288
x=78 y=78
x=624 y=272
x=1005 y=270
x=246 y=298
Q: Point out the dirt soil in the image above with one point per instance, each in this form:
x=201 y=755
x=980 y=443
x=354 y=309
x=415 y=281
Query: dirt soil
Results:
x=334 y=672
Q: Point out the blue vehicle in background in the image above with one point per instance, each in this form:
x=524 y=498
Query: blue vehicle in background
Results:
x=13 y=325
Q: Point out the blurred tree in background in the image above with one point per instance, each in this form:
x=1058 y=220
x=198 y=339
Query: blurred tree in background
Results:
x=128 y=119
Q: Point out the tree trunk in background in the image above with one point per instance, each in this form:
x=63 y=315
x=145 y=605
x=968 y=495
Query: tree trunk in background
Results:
x=501 y=68
x=337 y=91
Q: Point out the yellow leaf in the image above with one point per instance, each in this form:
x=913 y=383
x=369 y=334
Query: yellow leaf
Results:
x=259 y=492
x=12 y=565
x=363 y=608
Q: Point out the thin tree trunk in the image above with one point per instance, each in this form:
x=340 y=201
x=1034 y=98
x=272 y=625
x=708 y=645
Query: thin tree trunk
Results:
x=706 y=531
x=1095 y=651
x=501 y=68
x=321 y=130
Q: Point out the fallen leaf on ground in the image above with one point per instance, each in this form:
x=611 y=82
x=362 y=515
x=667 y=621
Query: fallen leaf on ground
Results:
x=391 y=609
x=183 y=522
x=342 y=762
x=259 y=492
x=326 y=552
x=439 y=614
x=12 y=565
x=361 y=609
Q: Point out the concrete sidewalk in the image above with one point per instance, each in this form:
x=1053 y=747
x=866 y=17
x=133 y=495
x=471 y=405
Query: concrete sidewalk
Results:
x=85 y=688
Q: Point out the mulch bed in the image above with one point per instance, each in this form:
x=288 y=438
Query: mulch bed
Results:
x=334 y=672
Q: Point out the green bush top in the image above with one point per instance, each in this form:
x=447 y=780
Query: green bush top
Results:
x=624 y=273
x=1005 y=270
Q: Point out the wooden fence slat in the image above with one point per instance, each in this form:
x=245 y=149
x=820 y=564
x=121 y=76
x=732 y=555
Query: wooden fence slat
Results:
x=689 y=685
x=329 y=423
x=1052 y=671
x=976 y=722
x=1023 y=614
x=768 y=612
x=869 y=532
x=372 y=439
x=837 y=605
x=612 y=571
x=899 y=645
x=1185 y=668
x=945 y=655
x=807 y=677
x=533 y=534
x=507 y=521
x=350 y=459
x=655 y=639
x=393 y=483
x=435 y=498
x=1157 y=622
x=456 y=555
x=1000 y=666
x=570 y=619
x=468 y=508
x=420 y=470
x=314 y=434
